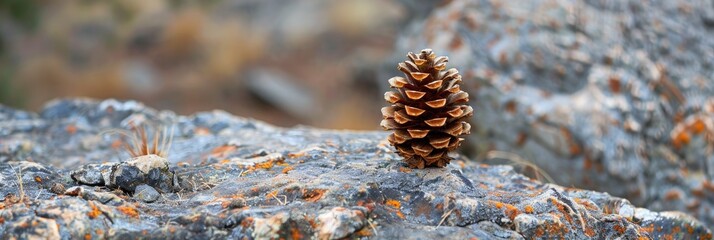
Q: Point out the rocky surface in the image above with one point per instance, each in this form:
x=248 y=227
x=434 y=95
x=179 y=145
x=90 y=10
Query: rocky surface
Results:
x=239 y=178
x=614 y=96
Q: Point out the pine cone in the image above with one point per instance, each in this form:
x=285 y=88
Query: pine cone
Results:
x=428 y=112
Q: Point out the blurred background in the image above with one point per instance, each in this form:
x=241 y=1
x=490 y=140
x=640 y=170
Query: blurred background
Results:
x=614 y=96
x=284 y=62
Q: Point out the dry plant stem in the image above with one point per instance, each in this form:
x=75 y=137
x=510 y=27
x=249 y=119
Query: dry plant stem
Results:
x=512 y=157
x=21 y=184
x=141 y=145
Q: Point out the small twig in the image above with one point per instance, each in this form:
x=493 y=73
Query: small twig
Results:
x=444 y=216
x=18 y=174
x=512 y=157
x=374 y=229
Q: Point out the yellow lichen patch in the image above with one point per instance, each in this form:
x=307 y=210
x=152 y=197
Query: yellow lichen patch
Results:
x=393 y=203
x=129 y=211
x=95 y=212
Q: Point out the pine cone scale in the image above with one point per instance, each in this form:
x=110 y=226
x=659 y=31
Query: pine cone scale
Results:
x=428 y=110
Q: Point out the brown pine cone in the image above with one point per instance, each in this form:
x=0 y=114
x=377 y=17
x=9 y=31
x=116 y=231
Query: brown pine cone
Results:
x=428 y=112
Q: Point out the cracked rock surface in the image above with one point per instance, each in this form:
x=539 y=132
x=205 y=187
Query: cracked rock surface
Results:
x=240 y=178
x=614 y=96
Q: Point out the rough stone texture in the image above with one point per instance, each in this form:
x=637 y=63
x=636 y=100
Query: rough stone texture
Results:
x=146 y=193
x=613 y=96
x=240 y=178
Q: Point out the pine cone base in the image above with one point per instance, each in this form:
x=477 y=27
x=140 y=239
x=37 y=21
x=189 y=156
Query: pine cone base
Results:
x=428 y=110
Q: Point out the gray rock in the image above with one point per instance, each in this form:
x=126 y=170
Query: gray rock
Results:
x=150 y=169
x=613 y=96
x=92 y=195
x=146 y=193
x=341 y=222
x=93 y=174
x=258 y=181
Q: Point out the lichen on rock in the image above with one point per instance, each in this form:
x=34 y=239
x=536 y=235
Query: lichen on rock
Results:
x=239 y=178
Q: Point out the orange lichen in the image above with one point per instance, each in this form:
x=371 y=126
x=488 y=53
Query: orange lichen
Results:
x=87 y=236
x=563 y=209
x=297 y=155
x=709 y=186
x=286 y=170
x=295 y=233
x=313 y=195
x=511 y=106
x=94 y=212
x=71 y=129
x=680 y=138
x=405 y=169
x=247 y=222
x=528 y=209
x=393 y=203
x=511 y=211
x=698 y=126
x=573 y=146
x=672 y=195
x=619 y=229
x=614 y=83
x=364 y=232
x=521 y=139
x=38 y=179
x=129 y=211
x=264 y=165
x=202 y=131
x=222 y=151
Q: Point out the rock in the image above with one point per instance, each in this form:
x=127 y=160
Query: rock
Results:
x=341 y=222
x=93 y=174
x=146 y=193
x=254 y=180
x=151 y=169
x=33 y=228
x=580 y=89
x=92 y=195
x=58 y=189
